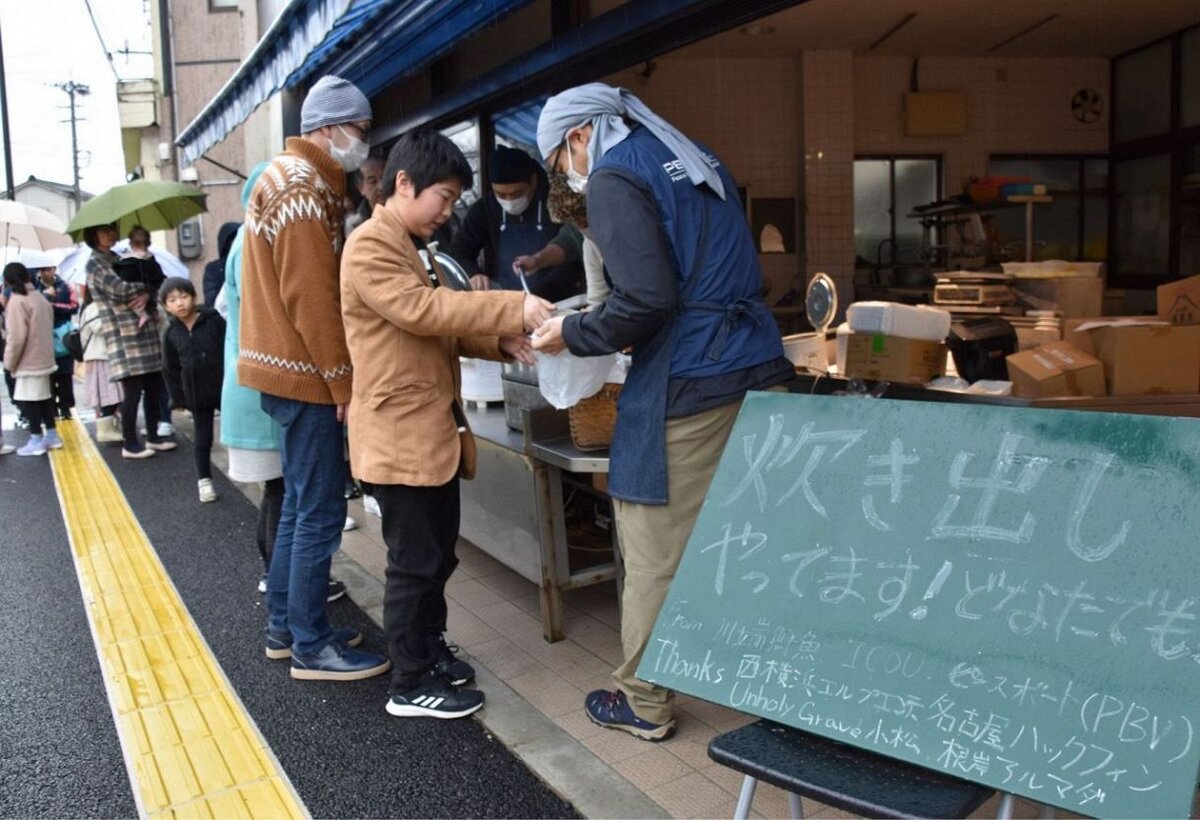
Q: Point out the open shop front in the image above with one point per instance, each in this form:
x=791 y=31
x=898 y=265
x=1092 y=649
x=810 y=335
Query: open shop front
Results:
x=1003 y=185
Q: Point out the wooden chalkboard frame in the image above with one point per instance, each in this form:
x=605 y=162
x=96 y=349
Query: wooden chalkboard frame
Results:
x=1029 y=620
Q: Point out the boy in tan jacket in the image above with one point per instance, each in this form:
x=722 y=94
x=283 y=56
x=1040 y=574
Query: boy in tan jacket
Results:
x=408 y=436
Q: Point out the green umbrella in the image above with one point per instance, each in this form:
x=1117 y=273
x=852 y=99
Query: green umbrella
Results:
x=153 y=204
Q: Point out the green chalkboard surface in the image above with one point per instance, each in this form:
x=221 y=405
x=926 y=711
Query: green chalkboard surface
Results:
x=1007 y=595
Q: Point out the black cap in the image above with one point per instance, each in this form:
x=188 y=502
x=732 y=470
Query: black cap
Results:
x=511 y=165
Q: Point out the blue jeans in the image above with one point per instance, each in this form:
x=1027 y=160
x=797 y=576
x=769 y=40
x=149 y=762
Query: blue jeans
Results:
x=310 y=527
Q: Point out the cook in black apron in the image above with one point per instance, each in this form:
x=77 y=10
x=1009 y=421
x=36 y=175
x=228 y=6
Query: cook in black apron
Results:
x=512 y=227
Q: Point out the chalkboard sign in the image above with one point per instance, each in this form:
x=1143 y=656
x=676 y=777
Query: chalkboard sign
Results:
x=1007 y=595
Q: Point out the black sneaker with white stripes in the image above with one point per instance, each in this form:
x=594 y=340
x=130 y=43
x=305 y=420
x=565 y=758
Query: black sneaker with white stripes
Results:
x=446 y=663
x=434 y=697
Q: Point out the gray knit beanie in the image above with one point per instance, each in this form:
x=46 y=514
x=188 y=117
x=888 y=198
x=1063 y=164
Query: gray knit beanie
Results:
x=333 y=101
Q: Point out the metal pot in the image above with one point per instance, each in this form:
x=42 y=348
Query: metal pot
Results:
x=519 y=372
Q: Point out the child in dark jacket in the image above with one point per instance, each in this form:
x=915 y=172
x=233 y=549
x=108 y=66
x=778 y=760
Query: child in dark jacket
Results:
x=194 y=366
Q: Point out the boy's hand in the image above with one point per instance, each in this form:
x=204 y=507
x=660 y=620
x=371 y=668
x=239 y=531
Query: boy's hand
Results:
x=536 y=311
x=480 y=282
x=517 y=347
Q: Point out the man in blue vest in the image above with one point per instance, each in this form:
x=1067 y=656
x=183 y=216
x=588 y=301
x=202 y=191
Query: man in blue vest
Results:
x=686 y=287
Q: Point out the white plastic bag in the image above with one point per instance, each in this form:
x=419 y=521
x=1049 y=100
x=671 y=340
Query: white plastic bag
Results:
x=565 y=378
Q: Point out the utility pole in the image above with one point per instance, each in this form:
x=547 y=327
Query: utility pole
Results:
x=8 y=163
x=73 y=90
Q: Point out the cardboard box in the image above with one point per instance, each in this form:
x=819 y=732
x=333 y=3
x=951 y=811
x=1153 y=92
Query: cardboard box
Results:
x=1055 y=369
x=1070 y=296
x=1142 y=359
x=893 y=359
x=1179 y=302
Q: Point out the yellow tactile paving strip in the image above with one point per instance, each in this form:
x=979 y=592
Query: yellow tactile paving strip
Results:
x=190 y=747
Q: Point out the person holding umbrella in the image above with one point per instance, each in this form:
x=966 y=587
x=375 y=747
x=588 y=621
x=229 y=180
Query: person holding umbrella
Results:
x=134 y=348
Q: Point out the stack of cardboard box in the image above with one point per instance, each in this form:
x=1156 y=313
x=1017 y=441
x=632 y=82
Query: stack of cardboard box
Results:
x=1139 y=356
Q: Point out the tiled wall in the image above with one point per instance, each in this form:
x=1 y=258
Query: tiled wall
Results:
x=829 y=123
x=207 y=50
x=747 y=111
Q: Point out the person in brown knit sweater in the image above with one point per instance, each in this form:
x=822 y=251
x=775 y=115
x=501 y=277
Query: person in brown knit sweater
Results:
x=293 y=351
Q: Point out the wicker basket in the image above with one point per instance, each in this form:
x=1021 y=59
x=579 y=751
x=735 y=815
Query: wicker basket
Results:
x=592 y=419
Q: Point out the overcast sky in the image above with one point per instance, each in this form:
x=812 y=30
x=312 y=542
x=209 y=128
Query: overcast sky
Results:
x=53 y=41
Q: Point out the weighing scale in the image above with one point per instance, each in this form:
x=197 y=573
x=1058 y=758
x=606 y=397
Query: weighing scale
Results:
x=969 y=288
x=807 y=351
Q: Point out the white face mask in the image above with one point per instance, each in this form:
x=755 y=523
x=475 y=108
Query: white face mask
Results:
x=576 y=181
x=353 y=155
x=514 y=207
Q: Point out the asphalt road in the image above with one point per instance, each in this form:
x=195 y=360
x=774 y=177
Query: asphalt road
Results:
x=59 y=752
x=345 y=755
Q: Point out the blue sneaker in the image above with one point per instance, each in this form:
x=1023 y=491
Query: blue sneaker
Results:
x=51 y=441
x=34 y=447
x=612 y=711
x=279 y=646
x=339 y=662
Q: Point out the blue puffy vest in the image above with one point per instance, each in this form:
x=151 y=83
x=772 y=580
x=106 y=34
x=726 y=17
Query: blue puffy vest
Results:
x=707 y=342
x=722 y=326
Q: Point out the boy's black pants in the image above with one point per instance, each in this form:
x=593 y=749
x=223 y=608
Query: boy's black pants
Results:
x=420 y=528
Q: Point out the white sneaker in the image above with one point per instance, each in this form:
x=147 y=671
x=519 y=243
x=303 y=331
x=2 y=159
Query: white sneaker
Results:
x=5 y=449
x=207 y=493
x=350 y=524
x=372 y=506
x=165 y=428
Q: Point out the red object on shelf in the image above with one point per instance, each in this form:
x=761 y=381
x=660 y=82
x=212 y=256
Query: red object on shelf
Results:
x=987 y=189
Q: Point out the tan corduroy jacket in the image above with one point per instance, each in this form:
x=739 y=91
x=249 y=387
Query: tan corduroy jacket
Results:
x=405 y=337
x=291 y=340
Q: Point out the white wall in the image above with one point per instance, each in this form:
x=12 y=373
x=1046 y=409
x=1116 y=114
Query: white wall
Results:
x=61 y=205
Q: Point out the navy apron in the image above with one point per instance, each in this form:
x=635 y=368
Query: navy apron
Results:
x=523 y=238
x=638 y=456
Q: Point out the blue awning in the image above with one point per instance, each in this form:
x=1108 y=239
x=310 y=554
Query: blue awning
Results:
x=519 y=123
x=372 y=43
x=409 y=37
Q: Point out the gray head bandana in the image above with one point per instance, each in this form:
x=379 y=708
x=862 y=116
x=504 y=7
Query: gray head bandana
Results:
x=606 y=108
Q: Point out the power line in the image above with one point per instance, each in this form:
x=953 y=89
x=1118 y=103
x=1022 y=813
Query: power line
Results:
x=107 y=54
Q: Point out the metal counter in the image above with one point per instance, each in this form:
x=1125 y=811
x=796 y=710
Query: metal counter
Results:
x=514 y=510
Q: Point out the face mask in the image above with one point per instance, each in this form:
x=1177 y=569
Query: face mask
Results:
x=564 y=204
x=575 y=180
x=514 y=207
x=353 y=155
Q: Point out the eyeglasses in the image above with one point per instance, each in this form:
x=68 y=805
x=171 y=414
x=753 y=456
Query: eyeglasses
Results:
x=364 y=134
x=552 y=162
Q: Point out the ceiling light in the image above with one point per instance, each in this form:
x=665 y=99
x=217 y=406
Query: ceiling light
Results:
x=758 y=29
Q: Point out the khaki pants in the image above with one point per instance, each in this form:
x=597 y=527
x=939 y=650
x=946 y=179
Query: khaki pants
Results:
x=652 y=542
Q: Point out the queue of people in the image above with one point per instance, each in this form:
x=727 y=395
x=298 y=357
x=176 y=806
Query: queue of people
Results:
x=325 y=339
